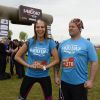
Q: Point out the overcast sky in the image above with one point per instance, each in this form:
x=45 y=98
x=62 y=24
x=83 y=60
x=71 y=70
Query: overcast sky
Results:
x=62 y=11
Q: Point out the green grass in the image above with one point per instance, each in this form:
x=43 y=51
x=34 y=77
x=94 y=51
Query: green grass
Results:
x=9 y=89
x=94 y=93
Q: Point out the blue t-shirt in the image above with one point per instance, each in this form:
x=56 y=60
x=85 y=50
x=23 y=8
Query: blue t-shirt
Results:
x=75 y=54
x=39 y=51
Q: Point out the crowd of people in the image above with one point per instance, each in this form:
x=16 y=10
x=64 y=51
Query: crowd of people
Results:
x=8 y=49
x=71 y=57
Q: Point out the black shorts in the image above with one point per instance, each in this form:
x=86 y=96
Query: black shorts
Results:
x=73 y=92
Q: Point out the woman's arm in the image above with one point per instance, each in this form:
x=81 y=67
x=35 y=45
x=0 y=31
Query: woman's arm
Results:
x=18 y=56
x=55 y=58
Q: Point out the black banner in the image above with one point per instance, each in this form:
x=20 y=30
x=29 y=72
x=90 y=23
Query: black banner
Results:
x=4 y=27
x=29 y=14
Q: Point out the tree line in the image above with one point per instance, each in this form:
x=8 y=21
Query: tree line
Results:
x=22 y=35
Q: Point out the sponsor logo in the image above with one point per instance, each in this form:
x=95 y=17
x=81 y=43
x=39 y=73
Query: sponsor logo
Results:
x=39 y=51
x=71 y=49
x=68 y=62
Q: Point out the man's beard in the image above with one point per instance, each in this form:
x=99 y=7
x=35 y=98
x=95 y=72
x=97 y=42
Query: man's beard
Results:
x=72 y=35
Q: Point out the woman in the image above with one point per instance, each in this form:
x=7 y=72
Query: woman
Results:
x=40 y=49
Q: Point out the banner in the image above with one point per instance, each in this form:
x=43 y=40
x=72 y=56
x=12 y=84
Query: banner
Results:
x=4 y=27
x=29 y=14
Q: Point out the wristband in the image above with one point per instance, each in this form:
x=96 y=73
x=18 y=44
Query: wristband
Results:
x=44 y=67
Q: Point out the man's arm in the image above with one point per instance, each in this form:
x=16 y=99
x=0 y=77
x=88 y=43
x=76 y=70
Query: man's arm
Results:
x=56 y=74
x=93 y=70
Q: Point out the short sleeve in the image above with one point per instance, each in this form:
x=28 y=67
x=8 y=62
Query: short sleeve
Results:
x=52 y=45
x=92 y=54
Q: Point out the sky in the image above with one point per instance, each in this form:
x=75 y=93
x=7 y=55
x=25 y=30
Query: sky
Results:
x=62 y=11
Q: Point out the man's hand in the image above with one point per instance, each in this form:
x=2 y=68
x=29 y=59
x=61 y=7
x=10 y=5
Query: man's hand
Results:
x=57 y=80
x=88 y=84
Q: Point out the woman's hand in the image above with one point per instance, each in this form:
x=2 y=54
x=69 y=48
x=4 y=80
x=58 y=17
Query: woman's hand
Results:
x=36 y=65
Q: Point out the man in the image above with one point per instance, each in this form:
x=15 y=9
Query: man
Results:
x=75 y=54
x=3 y=54
x=2 y=59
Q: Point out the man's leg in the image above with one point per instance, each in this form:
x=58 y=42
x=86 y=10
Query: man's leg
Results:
x=65 y=91
x=79 y=92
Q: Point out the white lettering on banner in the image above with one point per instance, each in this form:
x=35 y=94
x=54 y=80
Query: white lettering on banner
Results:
x=71 y=49
x=39 y=51
x=32 y=19
x=31 y=12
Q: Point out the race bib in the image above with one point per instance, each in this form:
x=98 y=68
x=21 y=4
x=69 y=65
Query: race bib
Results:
x=40 y=62
x=68 y=62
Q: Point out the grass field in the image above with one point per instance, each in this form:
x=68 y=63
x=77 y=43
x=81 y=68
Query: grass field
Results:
x=9 y=89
